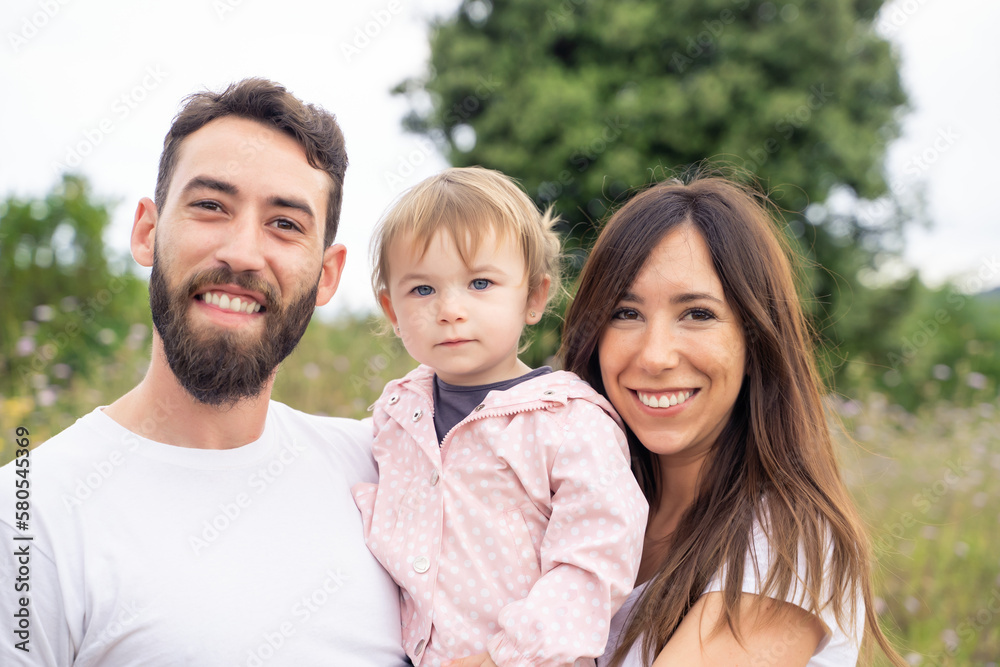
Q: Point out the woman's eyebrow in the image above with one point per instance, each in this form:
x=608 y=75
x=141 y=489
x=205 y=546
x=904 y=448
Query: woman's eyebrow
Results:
x=631 y=296
x=688 y=297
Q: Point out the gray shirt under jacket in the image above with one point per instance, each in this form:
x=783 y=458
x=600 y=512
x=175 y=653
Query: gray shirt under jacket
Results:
x=453 y=403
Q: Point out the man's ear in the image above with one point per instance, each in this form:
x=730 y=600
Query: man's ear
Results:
x=386 y=303
x=537 y=300
x=334 y=258
x=144 y=232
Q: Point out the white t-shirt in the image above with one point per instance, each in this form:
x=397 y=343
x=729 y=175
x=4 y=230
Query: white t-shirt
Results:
x=836 y=649
x=150 y=554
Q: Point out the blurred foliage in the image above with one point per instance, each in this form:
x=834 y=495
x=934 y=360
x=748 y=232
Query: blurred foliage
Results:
x=586 y=102
x=66 y=302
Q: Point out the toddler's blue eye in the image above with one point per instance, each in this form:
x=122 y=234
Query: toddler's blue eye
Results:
x=480 y=284
x=423 y=290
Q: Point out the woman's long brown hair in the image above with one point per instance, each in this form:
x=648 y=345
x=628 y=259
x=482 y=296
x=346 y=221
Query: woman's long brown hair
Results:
x=774 y=461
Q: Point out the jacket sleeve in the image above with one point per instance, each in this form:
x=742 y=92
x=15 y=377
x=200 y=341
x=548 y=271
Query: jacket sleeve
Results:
x=364 y=492
x=590 y=552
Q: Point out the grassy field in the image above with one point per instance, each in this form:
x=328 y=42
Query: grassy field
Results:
x=927 y=483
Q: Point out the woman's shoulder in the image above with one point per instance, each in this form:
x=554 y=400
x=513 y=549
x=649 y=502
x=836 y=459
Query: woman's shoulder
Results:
x=843 y=638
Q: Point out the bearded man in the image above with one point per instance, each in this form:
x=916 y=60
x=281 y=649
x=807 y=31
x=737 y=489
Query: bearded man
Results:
x=194 y=521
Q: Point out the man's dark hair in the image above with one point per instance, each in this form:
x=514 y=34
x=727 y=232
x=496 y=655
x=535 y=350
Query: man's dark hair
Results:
x=313 y=127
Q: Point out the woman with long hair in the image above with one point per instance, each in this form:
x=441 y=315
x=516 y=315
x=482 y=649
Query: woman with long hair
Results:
x=687 y=319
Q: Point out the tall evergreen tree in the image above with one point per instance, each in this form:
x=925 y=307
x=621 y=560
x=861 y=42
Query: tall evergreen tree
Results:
x=585 y=101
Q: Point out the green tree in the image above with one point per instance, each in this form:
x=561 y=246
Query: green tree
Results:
x=67 y=301
x=585 y=101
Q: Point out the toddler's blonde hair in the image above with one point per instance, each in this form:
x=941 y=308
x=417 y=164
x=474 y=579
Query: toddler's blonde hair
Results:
x=467 y=203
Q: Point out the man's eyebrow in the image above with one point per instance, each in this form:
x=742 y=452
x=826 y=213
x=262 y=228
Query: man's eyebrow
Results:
x=297 y=204
x=209 y=183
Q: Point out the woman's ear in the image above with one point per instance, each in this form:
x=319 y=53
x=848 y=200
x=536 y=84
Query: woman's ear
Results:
x=537 y=300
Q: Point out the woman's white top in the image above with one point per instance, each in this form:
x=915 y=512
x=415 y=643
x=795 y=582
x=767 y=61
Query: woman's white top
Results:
x=836 y=649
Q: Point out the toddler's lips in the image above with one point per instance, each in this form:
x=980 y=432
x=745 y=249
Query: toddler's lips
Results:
x=454 y=342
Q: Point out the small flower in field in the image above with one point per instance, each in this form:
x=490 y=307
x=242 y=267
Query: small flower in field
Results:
x=69 y=304
x=961 y=549
x=912 y=604
x=46 y=397
x=950 y=639
x=44 y=313
x=880 y=606
x=106 y=336
x=976 y=380
x=941 y=372
x=929 y=532
x=62 y=371
x=311 y=371
x=25 y=346
x=849 y=408
x=914 y=659
x=136 y=336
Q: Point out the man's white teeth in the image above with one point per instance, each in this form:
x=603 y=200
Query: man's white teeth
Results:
x=665 y=400
x=235 y=304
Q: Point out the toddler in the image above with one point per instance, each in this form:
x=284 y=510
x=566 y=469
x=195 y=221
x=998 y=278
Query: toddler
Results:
x=505 y=509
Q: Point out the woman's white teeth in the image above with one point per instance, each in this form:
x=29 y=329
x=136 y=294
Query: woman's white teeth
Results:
x=664 y=400
x=235 y=304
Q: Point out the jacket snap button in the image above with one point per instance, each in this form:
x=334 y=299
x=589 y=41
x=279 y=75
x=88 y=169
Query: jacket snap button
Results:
x=548 y=392
x=421 y=564
x=420 y=646
x=434 y=478
x=394 y=399
x=479 y=407
x=417 y=414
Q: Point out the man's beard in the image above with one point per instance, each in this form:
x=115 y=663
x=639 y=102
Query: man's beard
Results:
x=222 y=367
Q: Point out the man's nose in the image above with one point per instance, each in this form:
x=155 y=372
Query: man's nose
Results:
x=242 y=248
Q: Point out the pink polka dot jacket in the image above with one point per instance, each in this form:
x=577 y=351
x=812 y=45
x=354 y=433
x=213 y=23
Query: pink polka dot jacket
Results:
x=519 y=535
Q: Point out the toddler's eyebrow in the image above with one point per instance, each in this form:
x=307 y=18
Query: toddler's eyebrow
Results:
x=406 y=277
x=486 y=268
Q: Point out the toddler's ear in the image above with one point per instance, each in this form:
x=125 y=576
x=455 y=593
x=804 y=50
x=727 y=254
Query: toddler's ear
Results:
x=386 y=303
x=537 y=301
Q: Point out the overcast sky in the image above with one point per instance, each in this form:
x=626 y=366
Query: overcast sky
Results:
x=94 y=85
